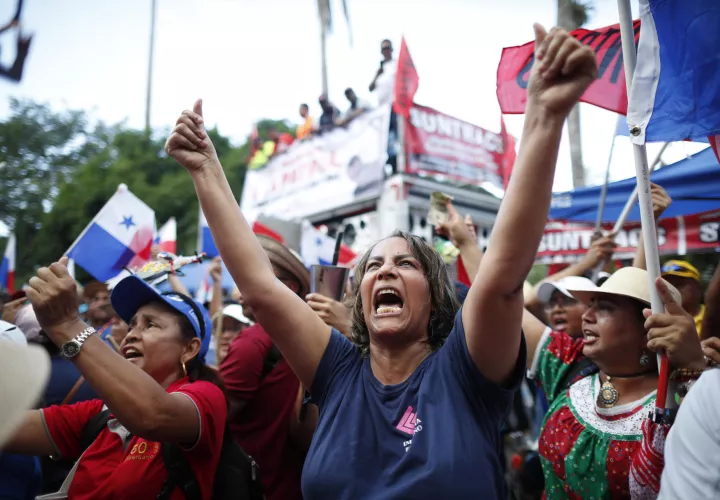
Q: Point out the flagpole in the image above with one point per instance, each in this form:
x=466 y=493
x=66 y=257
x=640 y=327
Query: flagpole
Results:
x=633 y=196
x=603 y=193
x=151 y=56
x=646 y=212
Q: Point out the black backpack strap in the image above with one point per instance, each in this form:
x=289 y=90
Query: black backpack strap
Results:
x=93 y=428
x=270 y=362
x=180 y=474
x=582 y=368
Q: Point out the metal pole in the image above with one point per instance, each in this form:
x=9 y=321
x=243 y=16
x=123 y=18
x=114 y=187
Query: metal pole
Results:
x=633 y=197
x=323 y=49
x=151 y=56
x=603 y=193
x=652 y=254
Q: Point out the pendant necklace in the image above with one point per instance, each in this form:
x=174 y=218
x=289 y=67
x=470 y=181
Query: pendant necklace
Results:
x=608 y=395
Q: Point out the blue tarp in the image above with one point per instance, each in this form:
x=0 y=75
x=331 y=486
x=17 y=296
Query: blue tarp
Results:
x=693 y=184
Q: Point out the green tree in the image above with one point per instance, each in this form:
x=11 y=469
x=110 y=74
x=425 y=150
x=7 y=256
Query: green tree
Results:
x=39 y=149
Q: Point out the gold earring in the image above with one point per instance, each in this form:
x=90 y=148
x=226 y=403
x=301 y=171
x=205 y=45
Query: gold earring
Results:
x=184 y=369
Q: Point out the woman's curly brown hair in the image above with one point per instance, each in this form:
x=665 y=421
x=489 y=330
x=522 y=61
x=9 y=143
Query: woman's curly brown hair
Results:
x=443 y=297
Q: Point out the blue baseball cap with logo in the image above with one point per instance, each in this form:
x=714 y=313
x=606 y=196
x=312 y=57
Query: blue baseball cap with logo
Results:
x=132 y=293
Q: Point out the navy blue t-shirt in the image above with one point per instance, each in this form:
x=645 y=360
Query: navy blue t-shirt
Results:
x=435 y=435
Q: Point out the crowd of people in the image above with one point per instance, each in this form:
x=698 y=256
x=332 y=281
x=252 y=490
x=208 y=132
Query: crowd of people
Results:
x=382 y=85
x=404 y=389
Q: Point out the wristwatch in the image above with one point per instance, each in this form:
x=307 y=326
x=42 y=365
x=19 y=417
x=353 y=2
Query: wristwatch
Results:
x=72 y=348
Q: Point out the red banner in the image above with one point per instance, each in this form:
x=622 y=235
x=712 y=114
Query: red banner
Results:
x=442 y=146
x=607 y=92
x=568 y=242
x=406 y=82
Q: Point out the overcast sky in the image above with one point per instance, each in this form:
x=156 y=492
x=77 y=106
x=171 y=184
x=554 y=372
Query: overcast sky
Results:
x=252 y=59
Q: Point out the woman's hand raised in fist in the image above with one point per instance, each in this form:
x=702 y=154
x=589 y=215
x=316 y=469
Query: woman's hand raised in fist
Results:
x=563 y=69
x=189 y=143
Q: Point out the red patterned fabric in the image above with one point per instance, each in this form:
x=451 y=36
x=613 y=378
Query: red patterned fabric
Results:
x=559 y=435
x=649 y=461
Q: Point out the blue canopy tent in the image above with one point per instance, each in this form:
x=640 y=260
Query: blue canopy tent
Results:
x=693 y=184
x=194 y=275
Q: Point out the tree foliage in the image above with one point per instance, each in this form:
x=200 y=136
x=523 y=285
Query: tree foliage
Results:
x=57 y=171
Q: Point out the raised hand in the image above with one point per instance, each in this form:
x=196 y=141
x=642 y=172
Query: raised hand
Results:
x=332 y=312
x=660 y=199
x=600 y=251
x=215 y=270
x=563 y=69
x=54 y=298
x=674 y=332
x=456 y=228
x=189 y=143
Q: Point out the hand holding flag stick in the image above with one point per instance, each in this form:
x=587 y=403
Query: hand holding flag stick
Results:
x=663 y=403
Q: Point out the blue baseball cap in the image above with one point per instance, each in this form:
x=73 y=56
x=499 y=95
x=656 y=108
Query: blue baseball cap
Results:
x=132 y=293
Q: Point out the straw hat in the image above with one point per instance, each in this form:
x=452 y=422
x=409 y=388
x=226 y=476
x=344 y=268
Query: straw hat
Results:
x=24 y=372
x=287 y=260
x=631 y=282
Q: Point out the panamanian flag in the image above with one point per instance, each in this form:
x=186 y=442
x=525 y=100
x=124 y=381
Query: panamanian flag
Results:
x=120 y=236
x=676 y=86
x=166 y=237
x=318 y=248
x=7 y=266
x=206 y=243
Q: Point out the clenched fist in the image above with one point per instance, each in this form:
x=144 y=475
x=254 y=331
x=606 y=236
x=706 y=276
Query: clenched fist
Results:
x=54 y=298
x=563 y=69
x=189 y=143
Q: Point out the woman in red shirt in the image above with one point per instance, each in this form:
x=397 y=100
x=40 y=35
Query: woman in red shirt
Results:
x=158 y=391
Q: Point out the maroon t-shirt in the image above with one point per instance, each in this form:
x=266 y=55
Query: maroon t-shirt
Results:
x=263 y=426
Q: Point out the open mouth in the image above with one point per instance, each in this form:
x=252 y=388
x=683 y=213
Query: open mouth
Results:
x=131 y=353
x=387 y=302
x=589 y=337
x=559 y=323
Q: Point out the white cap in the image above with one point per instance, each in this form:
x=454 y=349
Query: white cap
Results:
x=546 y=289
x=27 y=322
x=235 y=311
x=24 y=372
x=12 y=333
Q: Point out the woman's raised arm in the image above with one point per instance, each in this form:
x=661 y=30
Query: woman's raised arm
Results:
x=493 y=310
x=298 y=332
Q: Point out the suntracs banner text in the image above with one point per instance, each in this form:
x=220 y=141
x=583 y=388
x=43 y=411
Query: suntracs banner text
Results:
x=444 y=147
x=568 y=242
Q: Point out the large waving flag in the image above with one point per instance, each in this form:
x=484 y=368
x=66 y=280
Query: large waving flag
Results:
x=205 y=240
x=166 y=236
x=676 y=87
x=120 y=236
x=318 y=248
x=7 y=267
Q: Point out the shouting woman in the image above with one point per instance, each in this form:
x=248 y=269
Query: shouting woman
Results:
x=413 y=408
x=158 y=393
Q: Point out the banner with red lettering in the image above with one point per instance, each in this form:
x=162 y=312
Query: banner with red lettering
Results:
x=344 y=165
x=569 y=242
x=406 y=81
x=607 y=92
x=446 y=148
